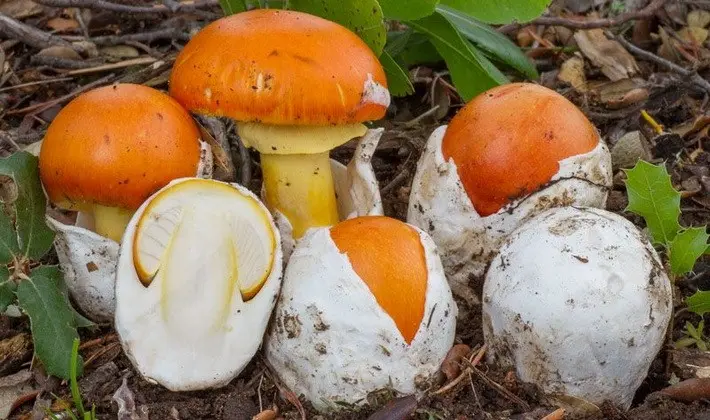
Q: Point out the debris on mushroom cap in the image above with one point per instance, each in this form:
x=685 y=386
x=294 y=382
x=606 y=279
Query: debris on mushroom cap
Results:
x=303 y=87
x=299 y=69
x=439 y=201
x=356 y=188
x=364 y=305
x=577 y=301
x=197 y=279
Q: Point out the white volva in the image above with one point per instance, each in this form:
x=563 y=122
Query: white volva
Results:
x=439 y=204
x=577 y=302
x=332 y=342
x=197 y=279
x=88 y=260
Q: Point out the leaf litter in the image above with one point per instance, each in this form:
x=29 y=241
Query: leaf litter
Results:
x=591 y=56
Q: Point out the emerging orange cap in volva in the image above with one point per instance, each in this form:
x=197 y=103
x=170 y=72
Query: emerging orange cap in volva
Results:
x=116 y=145
x=388 y=256
x=280 y=67
x=507 y=142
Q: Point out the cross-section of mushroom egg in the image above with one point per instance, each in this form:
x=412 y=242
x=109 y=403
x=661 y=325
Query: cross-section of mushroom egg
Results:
x=198 y=276
x=364 y=306
x=511 y=153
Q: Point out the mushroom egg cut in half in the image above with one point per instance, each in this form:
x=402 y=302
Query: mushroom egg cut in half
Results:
x=298 y=86
x=103 y=155
x=364 y=306
x=509 y=154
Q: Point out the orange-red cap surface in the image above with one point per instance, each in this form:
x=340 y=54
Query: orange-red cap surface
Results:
x=279 y=67
x=507 y=142
x=388 y=256
x=116 y=145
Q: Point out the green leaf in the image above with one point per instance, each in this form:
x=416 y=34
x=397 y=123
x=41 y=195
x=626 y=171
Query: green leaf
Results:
x=407 y=10
x=230 y=7
x=500 y=11
x=53 y=272
x=686 y=248
x=8 y=239
x=470 y=72
x=699 y=302
x=34 y=236
x=490 y=40
x=7 y=289
x=397 y=41
x=417 y=51
x=51 y=322
x=398 y=81
x=364 y=17
x=652 y=196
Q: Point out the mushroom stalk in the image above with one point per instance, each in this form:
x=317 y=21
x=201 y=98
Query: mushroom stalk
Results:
x=301 y=188
x=111 y=222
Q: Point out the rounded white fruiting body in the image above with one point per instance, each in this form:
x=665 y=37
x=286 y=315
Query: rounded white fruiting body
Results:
x=88 y=260
x=577 y=301
x=439 y=205
x=331 y=342
x=195 y=326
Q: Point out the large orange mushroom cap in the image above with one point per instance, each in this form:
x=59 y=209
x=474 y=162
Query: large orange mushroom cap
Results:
x=508 y=141
x=388 y=256
x=116 y=145
x=279 y=67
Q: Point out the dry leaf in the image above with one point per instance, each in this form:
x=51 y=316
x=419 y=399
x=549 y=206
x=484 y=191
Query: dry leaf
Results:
x=11 y=388
x=20 y=9
x=693 y=35
x=699 y=18
x=689 y=390
x=614 y=61
x=120 y=51
x=451 y=366
x=572 y=72
x=629 y=149
x=59 y=24
x=60 y=51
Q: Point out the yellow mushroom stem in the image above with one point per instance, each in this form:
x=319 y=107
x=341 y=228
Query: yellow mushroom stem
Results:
x=111 y=222
x=296 y=169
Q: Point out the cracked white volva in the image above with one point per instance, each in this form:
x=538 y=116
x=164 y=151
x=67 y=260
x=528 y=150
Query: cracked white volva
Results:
x=191 y=346
x=375 y=93
x=88 y=260
x=577 y=302
x=356 y=188
x=331 y=341
x=439 y=205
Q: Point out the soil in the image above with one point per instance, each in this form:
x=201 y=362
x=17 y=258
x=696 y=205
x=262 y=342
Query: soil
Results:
x=672 y=101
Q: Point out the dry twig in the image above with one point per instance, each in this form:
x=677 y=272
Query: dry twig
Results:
x=644 y=13
x=29 y=35
x=37 y=108
x=123 y=8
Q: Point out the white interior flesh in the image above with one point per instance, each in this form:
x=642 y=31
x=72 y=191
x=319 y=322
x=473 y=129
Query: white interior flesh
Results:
x=356 y=188
x=439 y=204
x=332 y=342
x=577 y=301
x=375 y=93
x=194 y=326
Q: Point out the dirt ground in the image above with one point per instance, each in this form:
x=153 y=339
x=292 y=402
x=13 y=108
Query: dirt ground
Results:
x=139 y=47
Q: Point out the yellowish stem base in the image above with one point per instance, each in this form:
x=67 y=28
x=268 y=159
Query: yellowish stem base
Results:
x=111 y=222
x=301 y=188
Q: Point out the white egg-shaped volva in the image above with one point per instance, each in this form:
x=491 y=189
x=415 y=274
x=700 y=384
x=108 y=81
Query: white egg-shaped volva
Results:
x=509 y=154
x=577 y=301
x=364 y=306
x=198 y=276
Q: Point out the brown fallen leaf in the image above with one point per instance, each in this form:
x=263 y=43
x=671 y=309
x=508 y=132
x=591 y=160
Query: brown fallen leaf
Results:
x=572 y=72
x=60 y=51
x=688 y=390
x=268 y=414
x=698 y=18
x=59 y=24
x=20 y=9
x=558 y=414
x=614 y=61
x=451 y=366
x=397 y=409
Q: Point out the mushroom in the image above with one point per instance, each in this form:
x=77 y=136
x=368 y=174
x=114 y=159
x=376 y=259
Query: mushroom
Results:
x=303 y=86
x=577 y=302
x=104 y=153
x=198 y=277
x=364 y=306
x=512 y=152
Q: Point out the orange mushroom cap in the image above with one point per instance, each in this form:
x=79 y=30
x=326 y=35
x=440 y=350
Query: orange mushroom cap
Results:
x=116 y=145
x=508 y=141
x=388 y=256
x=278 y=67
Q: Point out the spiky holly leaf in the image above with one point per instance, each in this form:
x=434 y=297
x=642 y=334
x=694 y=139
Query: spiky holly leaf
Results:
x=652 y=196
x=686 y=248
x=699 y=302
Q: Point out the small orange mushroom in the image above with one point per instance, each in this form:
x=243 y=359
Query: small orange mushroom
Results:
x=389 y=257
x=112 y=147
x=508 y=141
x=298 y=86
